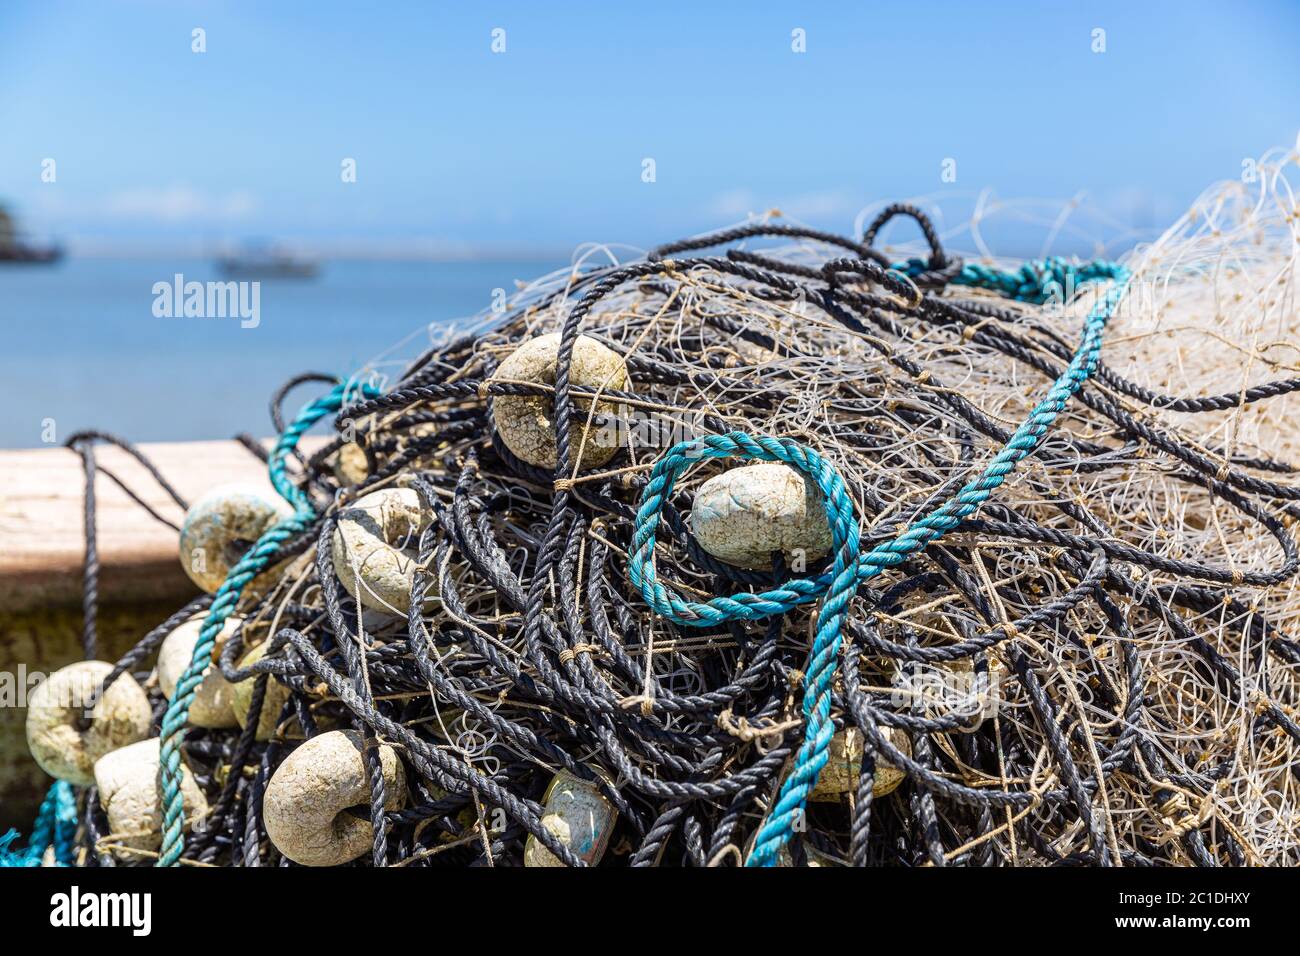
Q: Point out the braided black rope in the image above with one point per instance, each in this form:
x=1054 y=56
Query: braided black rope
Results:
x=538 y=658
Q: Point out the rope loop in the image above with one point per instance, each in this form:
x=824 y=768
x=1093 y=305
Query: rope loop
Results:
x=845 y=533
x=896 y=281
x=1034 y=282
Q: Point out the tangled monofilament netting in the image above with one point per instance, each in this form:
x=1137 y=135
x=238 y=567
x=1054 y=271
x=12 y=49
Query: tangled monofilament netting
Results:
x=1097 y=667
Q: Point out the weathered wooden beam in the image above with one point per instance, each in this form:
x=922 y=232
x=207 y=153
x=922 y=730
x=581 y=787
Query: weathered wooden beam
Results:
x=42 y=537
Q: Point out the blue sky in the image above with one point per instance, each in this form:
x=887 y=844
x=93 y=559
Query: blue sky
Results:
x=543 y=145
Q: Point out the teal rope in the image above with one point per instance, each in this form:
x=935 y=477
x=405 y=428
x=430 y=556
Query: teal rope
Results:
x=842 y=583
x=56 y=826
x=250 y=566
x=1034 y=282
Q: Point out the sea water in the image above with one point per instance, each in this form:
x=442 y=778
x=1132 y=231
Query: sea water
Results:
x=85 y=344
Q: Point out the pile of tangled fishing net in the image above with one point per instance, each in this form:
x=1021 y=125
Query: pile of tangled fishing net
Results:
x=768 y=547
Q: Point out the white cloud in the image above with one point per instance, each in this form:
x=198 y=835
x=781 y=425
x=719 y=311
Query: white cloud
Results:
x=178 y=204
x=824 y=205
x=733 y=204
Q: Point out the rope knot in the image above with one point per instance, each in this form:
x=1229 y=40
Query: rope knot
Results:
x=568 y=655
x=740 y=728
x=1174 y=806
x=646 y=704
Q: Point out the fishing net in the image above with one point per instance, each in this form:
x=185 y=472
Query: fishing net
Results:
x=1097 y=666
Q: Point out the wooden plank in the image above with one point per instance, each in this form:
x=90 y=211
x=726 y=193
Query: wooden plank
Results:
x=42 y=539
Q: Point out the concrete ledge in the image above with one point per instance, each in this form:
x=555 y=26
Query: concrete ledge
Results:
x=42 y=537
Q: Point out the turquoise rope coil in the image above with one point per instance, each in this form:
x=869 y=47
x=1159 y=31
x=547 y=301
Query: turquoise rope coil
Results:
x=55 y=826
x=1035 y=282
x=227 y=597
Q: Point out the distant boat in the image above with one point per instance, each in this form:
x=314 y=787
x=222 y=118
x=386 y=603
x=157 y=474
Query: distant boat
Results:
x=258 y=264
x=13 y=249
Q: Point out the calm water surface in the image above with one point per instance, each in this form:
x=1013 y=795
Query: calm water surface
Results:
x=80 y=344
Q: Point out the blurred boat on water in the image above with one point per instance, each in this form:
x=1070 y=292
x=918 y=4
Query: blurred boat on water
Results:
x=267 y=263
x=14 y=249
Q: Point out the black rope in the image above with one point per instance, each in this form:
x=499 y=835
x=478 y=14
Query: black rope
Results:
x=540 y=657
